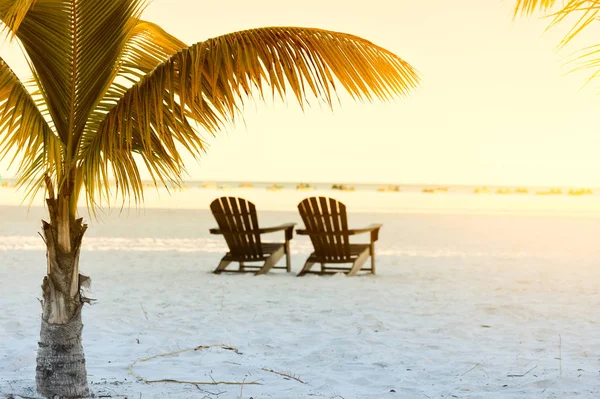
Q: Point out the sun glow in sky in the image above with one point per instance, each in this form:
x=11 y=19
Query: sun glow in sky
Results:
x=494 y=107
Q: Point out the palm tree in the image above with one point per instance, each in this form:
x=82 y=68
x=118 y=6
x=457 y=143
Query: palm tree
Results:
x=578 y=15
x=112 y=95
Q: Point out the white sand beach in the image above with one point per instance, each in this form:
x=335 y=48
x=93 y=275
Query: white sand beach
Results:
x=470 y=301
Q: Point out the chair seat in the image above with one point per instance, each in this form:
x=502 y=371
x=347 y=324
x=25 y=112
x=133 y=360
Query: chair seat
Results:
x=355 y=251
x=268 y=248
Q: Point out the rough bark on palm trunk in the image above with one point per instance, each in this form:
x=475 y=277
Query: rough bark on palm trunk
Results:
x=60 y=361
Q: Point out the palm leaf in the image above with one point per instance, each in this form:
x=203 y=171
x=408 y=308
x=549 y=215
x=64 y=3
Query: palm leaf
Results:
x=74 y=46
x=528 y=7
x=38 y=151
x=147 y=46
x=583 y=12
x=209 y=81
x=13 y=13
x=580 y=14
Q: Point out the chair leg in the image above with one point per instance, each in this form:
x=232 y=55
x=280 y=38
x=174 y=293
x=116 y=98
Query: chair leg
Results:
x=288 y=257
x=372 y=258
x=222 y=265
x=242 y=266
x=271 y=261
x=306 y=268
x=357 y=265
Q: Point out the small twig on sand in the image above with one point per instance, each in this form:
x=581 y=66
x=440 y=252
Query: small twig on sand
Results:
x=242 y=387
x=144 y=310
x=202 y=383
x=227 y=361
x=477 y=366
x=226 y=347
x=198 y=348
x=560 y=353
x=209 y=392
x=469 y=370
x=523 y=375
x=222 y=297
x=286 y=375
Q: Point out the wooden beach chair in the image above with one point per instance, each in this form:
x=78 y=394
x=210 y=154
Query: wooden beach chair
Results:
x=238 y=223
x=327 y=226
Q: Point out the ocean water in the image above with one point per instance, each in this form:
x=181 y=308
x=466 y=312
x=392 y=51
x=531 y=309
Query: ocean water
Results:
x=456 y=223
x=474 y=235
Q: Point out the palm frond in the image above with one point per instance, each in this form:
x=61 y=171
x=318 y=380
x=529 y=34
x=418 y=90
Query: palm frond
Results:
x=73 y=46
x=13 y=12
x=583 y=11
x=528 y=7
x=38 y=151
x=147 y=47
x=580 y=14
x=208 y=83
x=587 y=59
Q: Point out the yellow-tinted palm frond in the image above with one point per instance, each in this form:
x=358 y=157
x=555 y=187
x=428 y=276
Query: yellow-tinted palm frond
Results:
x=147 y=47
x=209 y=81
x=13 y=12
x=528 y=7
x=74 y=47
x=23 y=129
x=579 y=14
x=587 y=59
x=583 y=12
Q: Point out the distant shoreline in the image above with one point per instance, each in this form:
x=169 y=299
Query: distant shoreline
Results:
x=357 y=185
x=363 y=199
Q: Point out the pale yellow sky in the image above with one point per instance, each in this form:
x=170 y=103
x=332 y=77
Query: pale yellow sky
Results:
x=495 y=106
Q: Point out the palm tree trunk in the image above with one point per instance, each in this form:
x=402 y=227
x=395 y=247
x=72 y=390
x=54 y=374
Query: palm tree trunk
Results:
x=60 y=360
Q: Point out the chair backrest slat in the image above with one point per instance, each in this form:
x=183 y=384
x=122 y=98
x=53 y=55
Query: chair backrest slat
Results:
x=251 y=222
x=238 y=221
x=319 y=241
x=327 y=224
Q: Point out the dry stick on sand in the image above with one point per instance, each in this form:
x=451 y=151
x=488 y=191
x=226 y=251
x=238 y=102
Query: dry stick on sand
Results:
x=283 y=375
x=209 y=392
x=242 y=388
x=523 y=375
x=226 y=347
x=477 y=366
x=222 y=297
x=560 y=353
x=144 y=310
x=198 y=382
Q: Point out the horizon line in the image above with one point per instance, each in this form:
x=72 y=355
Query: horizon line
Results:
x=433 y=185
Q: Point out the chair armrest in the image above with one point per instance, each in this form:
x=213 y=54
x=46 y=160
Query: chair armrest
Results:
x=273 y=229
x=288 y=227
x=373 y=229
